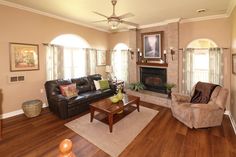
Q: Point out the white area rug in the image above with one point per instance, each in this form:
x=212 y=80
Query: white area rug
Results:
x=124 y=131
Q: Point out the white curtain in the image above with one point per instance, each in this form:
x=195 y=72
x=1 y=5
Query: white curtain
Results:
x=119 y=63
x=54 y=62
x=74 y=62
x=216 y=66
x=187 y=82
x=91 y=61
x=194 y=70
x=66 y=62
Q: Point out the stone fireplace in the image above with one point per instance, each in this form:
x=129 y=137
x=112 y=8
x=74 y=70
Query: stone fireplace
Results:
x=154 y=79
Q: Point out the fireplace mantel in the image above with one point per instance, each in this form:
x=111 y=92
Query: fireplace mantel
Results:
x=153 y=64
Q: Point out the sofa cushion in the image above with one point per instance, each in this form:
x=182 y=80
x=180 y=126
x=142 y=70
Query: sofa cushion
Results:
x=92 y=94
x=107 y=91
x=76 y=100
x=91 y=78
x=69 y=91
x=84 y=88
x=80 y=81
x=63 y=82
x=52 y=88
x=104 y=84
x=97 y=84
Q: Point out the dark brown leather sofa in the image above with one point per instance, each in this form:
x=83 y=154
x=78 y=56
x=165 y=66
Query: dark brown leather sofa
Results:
x=64 y=107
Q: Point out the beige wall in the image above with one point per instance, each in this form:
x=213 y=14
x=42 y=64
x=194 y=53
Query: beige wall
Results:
x=233 y=76
x=25 y=27
x=218 y=30
x=118 y=37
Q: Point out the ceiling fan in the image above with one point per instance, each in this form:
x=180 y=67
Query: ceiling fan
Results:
x=113 y=20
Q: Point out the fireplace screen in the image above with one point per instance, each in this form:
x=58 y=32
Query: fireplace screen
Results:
x=154 y=79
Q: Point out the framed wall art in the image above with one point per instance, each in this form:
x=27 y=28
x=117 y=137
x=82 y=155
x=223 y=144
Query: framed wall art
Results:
x=101 y=57
x=234 y=63
x=152 y=45
x=24 y=57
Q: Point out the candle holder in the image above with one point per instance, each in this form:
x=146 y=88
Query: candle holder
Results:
x=164 y=56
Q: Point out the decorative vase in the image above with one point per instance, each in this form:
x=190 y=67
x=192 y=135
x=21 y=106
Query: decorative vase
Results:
x=169 y=93
x=114 y=99
x=120 y=95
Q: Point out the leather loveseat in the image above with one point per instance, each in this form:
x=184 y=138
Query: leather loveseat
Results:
x=65 y=107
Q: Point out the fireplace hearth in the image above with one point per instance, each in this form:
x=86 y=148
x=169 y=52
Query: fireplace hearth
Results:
x=154 y=79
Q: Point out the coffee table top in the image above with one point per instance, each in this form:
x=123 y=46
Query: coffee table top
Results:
x=107 y=106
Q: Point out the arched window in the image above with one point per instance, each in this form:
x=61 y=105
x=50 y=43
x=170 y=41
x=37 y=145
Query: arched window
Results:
x=70 y=40
x=68 y=56
x=119 y=61
x=202 y=61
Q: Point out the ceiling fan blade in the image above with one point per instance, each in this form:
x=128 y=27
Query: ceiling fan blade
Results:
x=100 y=14
x=130 y=23
x=99 y=21
x=127 y=15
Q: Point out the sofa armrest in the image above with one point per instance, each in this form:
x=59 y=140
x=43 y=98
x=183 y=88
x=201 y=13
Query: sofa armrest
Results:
x=177 y=97
x=58 y=98
x=112 y=86
x=60 y=104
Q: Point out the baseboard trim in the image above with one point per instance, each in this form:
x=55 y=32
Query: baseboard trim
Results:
x=231 y=120
x=15 y=113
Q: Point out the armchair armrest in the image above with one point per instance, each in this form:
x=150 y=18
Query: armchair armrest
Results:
x=177 y=97
x=205 y=107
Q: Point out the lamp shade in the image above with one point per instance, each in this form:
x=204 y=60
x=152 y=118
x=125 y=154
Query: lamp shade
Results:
x=108 y=69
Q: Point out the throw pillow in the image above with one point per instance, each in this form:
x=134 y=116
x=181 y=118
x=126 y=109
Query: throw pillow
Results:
x=69 y=91
x=97 y=84
x=104 y=84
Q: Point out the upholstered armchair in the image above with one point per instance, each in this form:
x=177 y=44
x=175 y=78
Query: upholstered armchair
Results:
x=200 y=115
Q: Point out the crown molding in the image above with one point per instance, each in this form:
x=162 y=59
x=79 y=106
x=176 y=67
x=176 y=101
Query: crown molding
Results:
x=166 y=22
x=21 y=7
x=231 y=7
x=212 y=17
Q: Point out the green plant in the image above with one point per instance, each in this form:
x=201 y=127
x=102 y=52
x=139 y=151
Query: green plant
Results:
x=169 y=86
x=136 y=86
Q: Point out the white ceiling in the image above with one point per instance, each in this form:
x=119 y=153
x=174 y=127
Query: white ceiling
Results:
x=146 y=11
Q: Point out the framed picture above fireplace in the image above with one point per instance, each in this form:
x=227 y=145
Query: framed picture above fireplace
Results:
x=152 y=45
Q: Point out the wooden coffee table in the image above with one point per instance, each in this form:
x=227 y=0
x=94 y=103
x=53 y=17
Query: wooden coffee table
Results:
x=110 y=109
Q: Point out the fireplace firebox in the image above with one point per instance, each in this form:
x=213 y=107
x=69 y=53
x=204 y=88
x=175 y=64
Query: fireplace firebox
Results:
x=154 y=79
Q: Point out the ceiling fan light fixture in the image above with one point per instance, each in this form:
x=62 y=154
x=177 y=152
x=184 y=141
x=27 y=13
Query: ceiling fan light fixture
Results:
x=114 y=24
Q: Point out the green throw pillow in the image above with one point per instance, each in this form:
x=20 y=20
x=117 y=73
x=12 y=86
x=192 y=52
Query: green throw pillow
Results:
x=104 y=84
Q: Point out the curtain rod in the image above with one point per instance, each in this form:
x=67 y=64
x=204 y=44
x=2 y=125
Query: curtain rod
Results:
x=225 y=48
x=47 y=44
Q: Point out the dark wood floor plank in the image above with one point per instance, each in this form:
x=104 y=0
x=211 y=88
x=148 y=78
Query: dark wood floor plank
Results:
x=164 y=136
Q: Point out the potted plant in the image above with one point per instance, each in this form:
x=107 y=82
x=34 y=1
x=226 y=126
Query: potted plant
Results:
x=169 y=87
x=136 y=86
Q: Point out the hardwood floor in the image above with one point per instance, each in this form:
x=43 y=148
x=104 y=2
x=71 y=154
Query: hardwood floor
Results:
x=164 y=136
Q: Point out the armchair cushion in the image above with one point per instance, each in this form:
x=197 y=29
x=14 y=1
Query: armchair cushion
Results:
x=180 y=97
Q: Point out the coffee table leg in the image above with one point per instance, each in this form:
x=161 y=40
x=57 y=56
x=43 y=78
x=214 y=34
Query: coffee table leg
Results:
x=137 y=105
x=91 y=114
x=110 y=118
